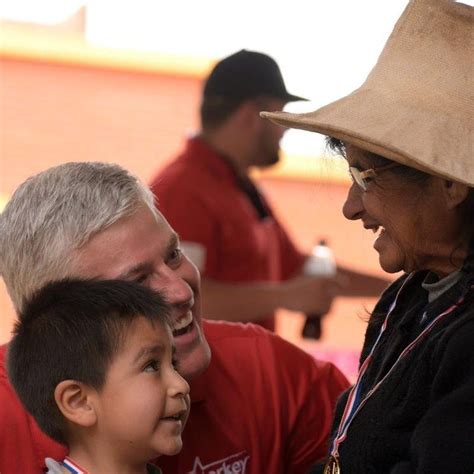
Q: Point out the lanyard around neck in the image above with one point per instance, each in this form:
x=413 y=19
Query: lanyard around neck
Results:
x=72 y=467
x=354 y=402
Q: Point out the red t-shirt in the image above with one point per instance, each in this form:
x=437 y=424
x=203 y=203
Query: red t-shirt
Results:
x=262 y=406
x=23 y=446
x=199 y=195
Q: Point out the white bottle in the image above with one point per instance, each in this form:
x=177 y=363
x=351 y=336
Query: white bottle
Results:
x=321 y=262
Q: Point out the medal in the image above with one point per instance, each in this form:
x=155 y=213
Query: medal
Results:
x=332 y=466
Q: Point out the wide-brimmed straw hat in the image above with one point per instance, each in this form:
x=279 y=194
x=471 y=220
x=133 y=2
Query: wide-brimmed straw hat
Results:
x=417 y=105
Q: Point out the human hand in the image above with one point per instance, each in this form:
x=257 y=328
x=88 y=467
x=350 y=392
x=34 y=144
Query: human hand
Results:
x=311 y=294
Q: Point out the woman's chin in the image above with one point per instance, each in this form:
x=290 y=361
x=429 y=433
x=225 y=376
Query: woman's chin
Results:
x=390 y=264
x=391 y=258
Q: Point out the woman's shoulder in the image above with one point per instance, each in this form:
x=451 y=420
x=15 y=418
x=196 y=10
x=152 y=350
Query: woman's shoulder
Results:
x=458 y=333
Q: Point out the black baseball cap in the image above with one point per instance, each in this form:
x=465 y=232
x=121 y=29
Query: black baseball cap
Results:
x=246 y=75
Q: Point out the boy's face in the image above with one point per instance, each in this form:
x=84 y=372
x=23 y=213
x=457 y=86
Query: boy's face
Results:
x=144 y=403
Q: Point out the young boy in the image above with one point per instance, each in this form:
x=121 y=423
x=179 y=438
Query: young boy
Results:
x=92 y=361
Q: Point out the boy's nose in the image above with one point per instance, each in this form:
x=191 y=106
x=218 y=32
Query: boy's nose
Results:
x=179 y=386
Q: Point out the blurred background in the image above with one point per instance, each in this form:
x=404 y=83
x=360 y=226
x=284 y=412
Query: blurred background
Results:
x=120 y=81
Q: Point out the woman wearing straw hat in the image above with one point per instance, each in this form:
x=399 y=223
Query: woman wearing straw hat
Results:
x=407 y=135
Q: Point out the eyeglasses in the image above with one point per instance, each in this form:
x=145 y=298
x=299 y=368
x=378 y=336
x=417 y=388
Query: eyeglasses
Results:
x=362 y=178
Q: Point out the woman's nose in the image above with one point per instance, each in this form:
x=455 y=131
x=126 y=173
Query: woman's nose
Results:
x=353 y=206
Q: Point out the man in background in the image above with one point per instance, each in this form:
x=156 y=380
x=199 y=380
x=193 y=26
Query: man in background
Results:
x=249 y=264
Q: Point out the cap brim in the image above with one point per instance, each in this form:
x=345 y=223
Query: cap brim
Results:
x=294 y=98
x=387 y=126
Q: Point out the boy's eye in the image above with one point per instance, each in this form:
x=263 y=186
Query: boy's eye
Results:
x=175 y=364
x=152 y=366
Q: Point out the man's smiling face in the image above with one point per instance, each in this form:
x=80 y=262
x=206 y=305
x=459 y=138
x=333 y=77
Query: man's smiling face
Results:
x=144 y=248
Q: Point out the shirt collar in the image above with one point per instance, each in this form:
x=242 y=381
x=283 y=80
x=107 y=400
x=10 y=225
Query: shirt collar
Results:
x=436 y=287
x=198 y=149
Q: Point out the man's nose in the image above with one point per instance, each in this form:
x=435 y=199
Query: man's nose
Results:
x=353 y=207
x=174 y=288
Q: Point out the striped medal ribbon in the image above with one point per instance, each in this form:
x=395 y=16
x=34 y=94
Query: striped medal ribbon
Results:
x=354 y=402
x=71 y=466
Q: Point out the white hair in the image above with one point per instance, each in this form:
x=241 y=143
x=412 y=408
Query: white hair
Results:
x=56 y=212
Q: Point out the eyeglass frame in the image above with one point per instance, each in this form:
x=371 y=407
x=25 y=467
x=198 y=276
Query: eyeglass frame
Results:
x=359 y=176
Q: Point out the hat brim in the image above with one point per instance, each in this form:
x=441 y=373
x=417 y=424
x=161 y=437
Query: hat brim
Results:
x=383 y=124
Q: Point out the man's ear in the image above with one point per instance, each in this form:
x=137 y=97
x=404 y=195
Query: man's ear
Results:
x=248 y=113
x=74 y=400
x=455 y=193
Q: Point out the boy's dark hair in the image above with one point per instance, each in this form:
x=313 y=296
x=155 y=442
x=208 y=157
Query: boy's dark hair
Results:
x=72 y=329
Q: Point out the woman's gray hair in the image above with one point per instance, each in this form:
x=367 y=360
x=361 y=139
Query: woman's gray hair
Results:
x=56 y=212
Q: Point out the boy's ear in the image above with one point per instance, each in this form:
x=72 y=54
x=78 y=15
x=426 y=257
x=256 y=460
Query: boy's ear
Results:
x=74 y=400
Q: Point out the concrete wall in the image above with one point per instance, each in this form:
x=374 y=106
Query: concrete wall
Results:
x=52 y=113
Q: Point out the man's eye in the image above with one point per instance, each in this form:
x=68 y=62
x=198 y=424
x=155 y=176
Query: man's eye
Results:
x=175 y=256
x=152 y=366
x=175 y=364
